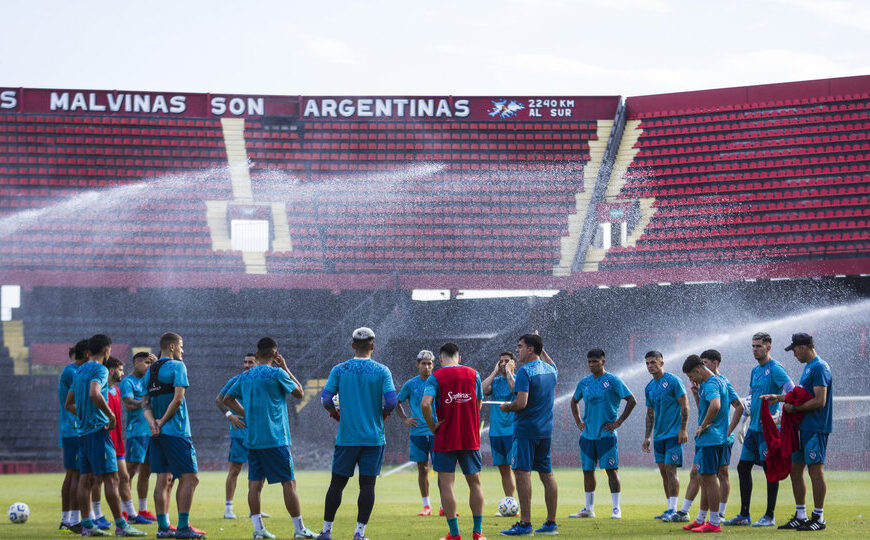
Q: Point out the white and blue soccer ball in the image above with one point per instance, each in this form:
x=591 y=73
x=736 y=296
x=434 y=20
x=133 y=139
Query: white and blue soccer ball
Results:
x=508 y=507
x=18 y=512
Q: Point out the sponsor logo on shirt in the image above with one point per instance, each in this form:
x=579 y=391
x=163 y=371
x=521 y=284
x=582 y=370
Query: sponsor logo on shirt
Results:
x=458 y=397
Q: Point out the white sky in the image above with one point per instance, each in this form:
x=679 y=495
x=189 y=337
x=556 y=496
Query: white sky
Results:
x=546 y=47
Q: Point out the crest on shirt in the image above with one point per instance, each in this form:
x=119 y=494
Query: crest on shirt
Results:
x=665 y=384
x=606 y=384
x=767 y=371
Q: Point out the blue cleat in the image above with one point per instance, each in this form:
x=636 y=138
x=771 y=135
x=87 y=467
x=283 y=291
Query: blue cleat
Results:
x=765 y=521
x=738 y=521
x=140 y=520
x=102 y=523
x=549 y=527
x=664 y=516
x=519 y=529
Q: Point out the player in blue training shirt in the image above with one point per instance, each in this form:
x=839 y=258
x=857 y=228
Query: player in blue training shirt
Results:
x=421 y=438
x=816 y=425
x=238 y=452
x=366 y=397
x=88 y=398
x=500 y=387
x=263 y=389
x=601 y=393
x=138 y=432
x=667 y=413
x=535 y=393
x=69 y=441
x=171 y=448
x=768 y=377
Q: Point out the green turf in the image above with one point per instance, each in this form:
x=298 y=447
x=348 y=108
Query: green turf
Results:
x=398 y=502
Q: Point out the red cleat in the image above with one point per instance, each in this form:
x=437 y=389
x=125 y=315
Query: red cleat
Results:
x=426 y=511
x=197 y=531
x=451 y=537
x=147 y=515
x=708 y=528
x=124 y=515
x=693 y=525
x=478 y=536
x=441 y=513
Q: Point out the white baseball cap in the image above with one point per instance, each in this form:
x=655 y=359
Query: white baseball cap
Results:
x=363 y=333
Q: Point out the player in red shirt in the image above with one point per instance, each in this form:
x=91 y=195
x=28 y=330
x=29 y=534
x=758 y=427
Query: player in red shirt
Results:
x=457 y=393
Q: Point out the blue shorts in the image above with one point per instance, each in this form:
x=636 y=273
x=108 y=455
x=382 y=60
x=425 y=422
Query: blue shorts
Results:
x=70 y=453
x=501 y=447
x=174 y=455
x=271 y=464
x=368 y=458
x=754 y=447
x=531 y=455
x=469 y=461
x=726 y=454
x=238 y=451
x=137 y=449
x=709 y=458
x=97 y=454
x=813 y=448
x=604 y=452
x=668 y=451
x=420 y=448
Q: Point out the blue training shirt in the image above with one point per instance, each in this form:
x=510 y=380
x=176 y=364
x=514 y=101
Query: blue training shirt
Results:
x=769 y=378
x=173 y=372
x=717 y=433
x=90 y=418
x=264 y=389
x=132 y=386
x=730 y=395
x=538 y=378
x=236 y=433
x=501 y=424
x=818 y=373
x=601 y=397
x=412 y=391
x=663 y=396
x=360 y=384
x=68 y=421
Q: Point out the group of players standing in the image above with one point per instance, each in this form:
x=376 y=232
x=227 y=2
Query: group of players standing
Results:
x=445 y=426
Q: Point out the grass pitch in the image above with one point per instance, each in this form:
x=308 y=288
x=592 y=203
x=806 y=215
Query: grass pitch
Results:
x=398 y=502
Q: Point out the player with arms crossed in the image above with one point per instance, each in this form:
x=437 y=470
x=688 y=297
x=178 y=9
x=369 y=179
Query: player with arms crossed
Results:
x=138 y=431
x=171 y=449
x=456 y=392
x=535 y=388
x=69 y=441
x=367 y=396
x=667 y=413
x=238 y=432
x=601 y=393
x=421 y=440
x=263 y=389
x=500 y=387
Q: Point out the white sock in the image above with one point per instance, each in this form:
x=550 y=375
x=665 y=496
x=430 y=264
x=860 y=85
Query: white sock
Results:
x=297 y=523
x=714 y=518
x=590 y=500
x=229 y=505
x=615 y=498
x=672 y=504
x=360 y=529
x=820 y=512
x=257 y=520
x=98 y=511
x=143 y=505
x=801 y=511
x=93 y=516
x=75 y=516
x=722 y=507
x=702 y=516
x=327 y=526
x=687 y=505
x=64 y=517
x=130 y=509
x=426 y=501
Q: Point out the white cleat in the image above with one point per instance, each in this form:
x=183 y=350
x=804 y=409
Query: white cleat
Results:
x=583 y=513
x=228 y=514
x=617 y=513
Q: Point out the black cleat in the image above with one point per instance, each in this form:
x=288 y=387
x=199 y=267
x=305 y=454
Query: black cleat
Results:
x=793 y=523
x=813 y=524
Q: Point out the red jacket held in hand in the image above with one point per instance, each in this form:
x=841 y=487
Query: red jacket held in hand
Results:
x=781 y=444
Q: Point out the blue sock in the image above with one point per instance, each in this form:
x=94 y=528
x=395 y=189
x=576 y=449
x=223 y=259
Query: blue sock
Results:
x=88 y=523
x=478 y=523
x=453 y=523
x=183 y=519
x=162 y=521
x=121 y=523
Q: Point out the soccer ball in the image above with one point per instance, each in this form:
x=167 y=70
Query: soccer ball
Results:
x=508 y=507
x=19 y=512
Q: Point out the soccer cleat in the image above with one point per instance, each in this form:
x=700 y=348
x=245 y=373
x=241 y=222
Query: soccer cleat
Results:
x=812 y=524
x=359 y=537
x=519 y=530
x=263 y=534
x=451 y=537
x=738 y=521
x=189 y=532
x=693 y=525
x=677 y=517
x=793 y=523
x=94 y=531
x=478 y=536
x=617 y=513
x=165 y=533
x=664 y=515
x=765 y=521
x=63 y=527
x=128 y=531
x=441 y=513
x=76 y=528
x=426 y=511
x=583 y=513
x=549 y=527
x=140 y=520
x=147 y=515
x=265 y=515
x=305 y=533
x=324 y=536
x=229 y=514
x=103 y=523
x=708 y=528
